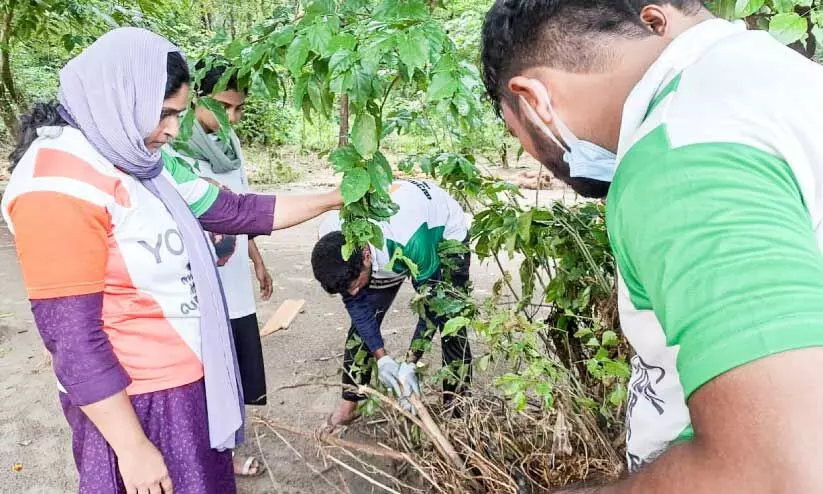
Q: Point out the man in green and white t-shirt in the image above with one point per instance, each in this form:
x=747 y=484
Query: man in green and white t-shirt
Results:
x=707 y=138
x=368 y=283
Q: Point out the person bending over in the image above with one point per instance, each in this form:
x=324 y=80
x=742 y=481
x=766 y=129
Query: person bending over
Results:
x=368 y=283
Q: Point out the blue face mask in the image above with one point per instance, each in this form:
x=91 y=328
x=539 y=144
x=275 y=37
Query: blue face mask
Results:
x=585 y=159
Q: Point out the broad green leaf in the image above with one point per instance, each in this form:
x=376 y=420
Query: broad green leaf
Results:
x=817 y=31
x=341 y=61
x=219 y=112
x=297 y=54
x=483 y=362
x=583 y=332
x=284 y=37
x=788 y=28
x=380 y=171
x=454 y=325
x=364 y=134
x=317 y=97
x=617 y=368
x=341 y=42
x=783 y=6
x=344 y=159
x=519 y=401
x=347 y=250
x=524 y=225
x=544 y=389
x=301 y=86
x=377 y=239
x=186 y=126
x=403 y=10
x=319 y=36
x=355 y=185
x=618 y=396
x=745 y=8
x=610 y=338
x=378 y=177
x=462 y=104
x=235 y=48
x=320 y=7
x=360 y=87
x=592 y=342
x=413 y=50
x=442 y=87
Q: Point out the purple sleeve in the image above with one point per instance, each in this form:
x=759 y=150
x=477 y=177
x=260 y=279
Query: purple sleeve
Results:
x=83 y=358
x=239 y=214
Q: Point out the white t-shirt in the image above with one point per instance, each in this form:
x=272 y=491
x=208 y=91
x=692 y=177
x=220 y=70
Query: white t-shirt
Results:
x=426 y=216
x=233 y=266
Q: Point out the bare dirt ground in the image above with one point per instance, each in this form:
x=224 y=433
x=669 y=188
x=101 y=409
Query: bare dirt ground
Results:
x=35 y=454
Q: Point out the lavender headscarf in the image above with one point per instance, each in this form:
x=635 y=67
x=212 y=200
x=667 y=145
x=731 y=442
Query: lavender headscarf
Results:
x=113 y=92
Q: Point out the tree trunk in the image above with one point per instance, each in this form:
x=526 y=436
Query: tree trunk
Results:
x=343 y=136
x=9 y=114
x=232 y=28
x=504 y=157
x=9 y=98
x=8 y=79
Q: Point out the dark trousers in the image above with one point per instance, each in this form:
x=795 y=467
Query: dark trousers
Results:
x=457 y=356
x=250 y=359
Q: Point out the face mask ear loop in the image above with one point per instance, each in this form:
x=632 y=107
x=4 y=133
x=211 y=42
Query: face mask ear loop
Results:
x=568 y=137
x=536 y=120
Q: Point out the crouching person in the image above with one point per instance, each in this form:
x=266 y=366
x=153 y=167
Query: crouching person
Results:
x=368 y=283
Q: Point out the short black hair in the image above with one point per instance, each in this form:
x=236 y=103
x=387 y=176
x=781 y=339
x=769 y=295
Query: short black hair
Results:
x=335 y=274
x=177 y=73
x=206 y=85
x=519 y=34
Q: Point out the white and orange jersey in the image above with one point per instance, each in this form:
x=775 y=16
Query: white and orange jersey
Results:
x=119 y=240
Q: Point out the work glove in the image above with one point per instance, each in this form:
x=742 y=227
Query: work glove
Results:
x=387 y=370
x=407 y=375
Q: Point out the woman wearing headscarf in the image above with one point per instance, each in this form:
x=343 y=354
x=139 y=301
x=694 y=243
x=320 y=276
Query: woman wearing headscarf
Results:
x=122 y=282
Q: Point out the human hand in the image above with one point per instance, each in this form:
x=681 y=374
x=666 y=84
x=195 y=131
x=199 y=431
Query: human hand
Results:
x=387 y=370
x=144 y=470
x=407 y=375
x=265 y=280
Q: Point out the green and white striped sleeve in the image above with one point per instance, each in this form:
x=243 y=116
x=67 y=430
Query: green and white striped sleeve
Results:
x=198 y=193
x=717 y=240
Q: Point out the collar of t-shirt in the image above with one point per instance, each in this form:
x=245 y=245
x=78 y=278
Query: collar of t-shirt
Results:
x=681 y=52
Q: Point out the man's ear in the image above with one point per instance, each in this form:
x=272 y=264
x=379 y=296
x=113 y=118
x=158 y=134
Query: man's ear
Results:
x=535 y=94
x=366 y=254
x=655 y=18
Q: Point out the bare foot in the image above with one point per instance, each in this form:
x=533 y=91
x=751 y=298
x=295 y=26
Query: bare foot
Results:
x=345 y=414
x=246 y=466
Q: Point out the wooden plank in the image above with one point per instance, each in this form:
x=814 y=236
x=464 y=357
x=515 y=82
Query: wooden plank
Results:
x=283 y=316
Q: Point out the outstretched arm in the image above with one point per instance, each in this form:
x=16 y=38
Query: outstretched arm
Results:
x=295 y=209
x=222 y=211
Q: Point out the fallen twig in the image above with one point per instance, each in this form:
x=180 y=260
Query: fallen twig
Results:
x=334 y=441
x=311 y=467
x=265 y=462
x=363 y=475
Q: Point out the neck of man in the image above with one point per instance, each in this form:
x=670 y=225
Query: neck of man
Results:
x=607 y=91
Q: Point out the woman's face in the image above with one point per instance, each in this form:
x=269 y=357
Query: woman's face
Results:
x=169 y=125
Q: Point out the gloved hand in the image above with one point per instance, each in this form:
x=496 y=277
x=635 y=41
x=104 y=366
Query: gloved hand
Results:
x=407 y=375
x=387 y=370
